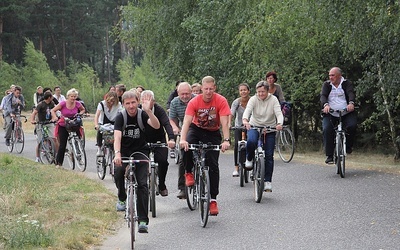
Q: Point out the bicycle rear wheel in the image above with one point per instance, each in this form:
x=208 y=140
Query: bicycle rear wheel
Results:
x=110 y=162
x=10 y=147
x=19 y=140
x=204 y=193
x=80 y=156
x=153 y=187
x=132 y=214
x=192 y=193
x=340 y=158
x=259 y=173
x=47 y=151
x=285 y=144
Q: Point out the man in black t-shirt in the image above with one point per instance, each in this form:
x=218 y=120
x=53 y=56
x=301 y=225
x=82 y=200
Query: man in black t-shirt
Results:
x=43 y=113
x=130 y=139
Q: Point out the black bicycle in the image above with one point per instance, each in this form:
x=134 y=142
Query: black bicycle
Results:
x=131 y=186
x=339 y=155
x=107 y=150
x=198 y=195
x=153 y=176
x=243 y=172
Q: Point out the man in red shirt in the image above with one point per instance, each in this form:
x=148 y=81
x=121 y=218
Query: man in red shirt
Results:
x=204 y=116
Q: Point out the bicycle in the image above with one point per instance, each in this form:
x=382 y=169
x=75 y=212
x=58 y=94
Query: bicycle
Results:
x=339 y=155
x=259 y=163
x=75 y=154
x=285 y=144
x=198 y=195
x=178 y=153
x=153 y=176
x=131 y=186
x=107 y=149
x=243 y=172
x=47 y=149
x=17 y=139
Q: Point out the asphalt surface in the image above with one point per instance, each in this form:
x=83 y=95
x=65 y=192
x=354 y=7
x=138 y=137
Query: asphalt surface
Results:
x=310 y=207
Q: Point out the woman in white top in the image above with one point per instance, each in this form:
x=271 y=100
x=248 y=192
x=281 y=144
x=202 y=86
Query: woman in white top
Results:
x=262 y=110
x=106 y=112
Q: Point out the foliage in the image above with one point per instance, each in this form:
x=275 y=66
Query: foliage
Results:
x=10 y=74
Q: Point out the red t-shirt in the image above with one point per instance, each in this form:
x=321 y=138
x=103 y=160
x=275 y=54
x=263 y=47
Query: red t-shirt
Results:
x=207 y=115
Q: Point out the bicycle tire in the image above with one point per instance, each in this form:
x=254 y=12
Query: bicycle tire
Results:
x=47 y=151
x=153 y=187
x=101 y=167
x=259 y=173
x=70 y=156
x=285 y=144
x=132 y=214
x=80 y=155
x=242 y=171
x=192 y=192
x=19 y=140
x=110 y=163
x=10 y=146
x=177 y=150
x=204 y=194
x=340 y=161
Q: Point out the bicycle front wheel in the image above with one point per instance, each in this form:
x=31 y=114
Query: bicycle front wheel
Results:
x=259 y=173
x=153 y=186
x=285 y=144
x=192 y=192
x=10 y=146
x=47 y=151
x=19 y=140
x=132 y=214
x=80 y=155
x=340 y=157
x=204 y=193
x=243 y=174
x=69 y=156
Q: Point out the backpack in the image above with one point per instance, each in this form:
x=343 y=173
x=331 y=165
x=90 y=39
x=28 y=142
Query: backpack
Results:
x=286 y=108
x=139 y=119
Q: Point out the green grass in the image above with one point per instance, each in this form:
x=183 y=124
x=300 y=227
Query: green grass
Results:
x=47 y=208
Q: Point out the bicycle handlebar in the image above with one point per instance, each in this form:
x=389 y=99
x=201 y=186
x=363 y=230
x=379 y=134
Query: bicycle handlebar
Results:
x=153 y=145
x=131 y=160
x=43 y=123
x=267 y=128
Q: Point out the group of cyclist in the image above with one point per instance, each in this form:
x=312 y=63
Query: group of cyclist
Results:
x=197 y=113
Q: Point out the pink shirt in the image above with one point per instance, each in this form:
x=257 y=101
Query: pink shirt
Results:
x=66 y=112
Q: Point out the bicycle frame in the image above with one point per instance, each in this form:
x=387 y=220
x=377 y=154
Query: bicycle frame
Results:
x=48 y=151
x=108 y=154
x=241 y=145
x=17 y=134
x=78 y=151
x=340 y=144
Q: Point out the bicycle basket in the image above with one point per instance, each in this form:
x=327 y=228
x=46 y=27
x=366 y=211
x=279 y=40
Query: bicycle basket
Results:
x=73 y=125
x=108 y=137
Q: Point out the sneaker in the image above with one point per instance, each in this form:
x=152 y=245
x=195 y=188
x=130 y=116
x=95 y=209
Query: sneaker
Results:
x=235 y=173
x=329 y=159
x=99 y=152
x=121 y=206
x=164 y=192
x=267 y=186
x=143 y=228
x=181 y=194
x=7 y=142
x=189 y=179
x=37 y=159
x=249 y=164
x=213 y=207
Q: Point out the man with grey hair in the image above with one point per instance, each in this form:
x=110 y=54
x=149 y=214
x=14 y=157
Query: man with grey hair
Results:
x=158 y=135
x=176 y=115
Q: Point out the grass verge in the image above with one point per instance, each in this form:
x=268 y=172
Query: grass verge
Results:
x=48 y=208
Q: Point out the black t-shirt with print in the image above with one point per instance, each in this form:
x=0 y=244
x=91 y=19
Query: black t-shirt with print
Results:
x=43 y=110
x=133 y=138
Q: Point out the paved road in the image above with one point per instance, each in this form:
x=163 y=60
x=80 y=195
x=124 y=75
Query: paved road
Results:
x=310 y=208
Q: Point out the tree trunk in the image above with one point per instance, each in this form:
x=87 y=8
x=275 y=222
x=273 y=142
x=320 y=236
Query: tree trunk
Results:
x=392 y=126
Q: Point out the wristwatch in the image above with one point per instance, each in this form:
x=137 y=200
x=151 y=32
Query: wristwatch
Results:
x=117 y=151
x=228 y=140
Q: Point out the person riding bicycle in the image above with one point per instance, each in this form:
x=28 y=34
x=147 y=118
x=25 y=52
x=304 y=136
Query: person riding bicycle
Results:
x=69 y=109
x=237 y=108
x=14 y=103
x=204 y=115
x=43 y=112
x=106 y=112
x=129 y=139
x=158 y=135
x=338 y=94
x=262 y=110
x=176 y=114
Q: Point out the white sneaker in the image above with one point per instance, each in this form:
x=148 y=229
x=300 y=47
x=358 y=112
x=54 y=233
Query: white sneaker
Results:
x=235 y=173
x=249 y=164
x=99 y=152
x=267 y=186
x=37 y=159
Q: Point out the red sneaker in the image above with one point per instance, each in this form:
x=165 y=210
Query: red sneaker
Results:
x=189 y=179
x=213 y=208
